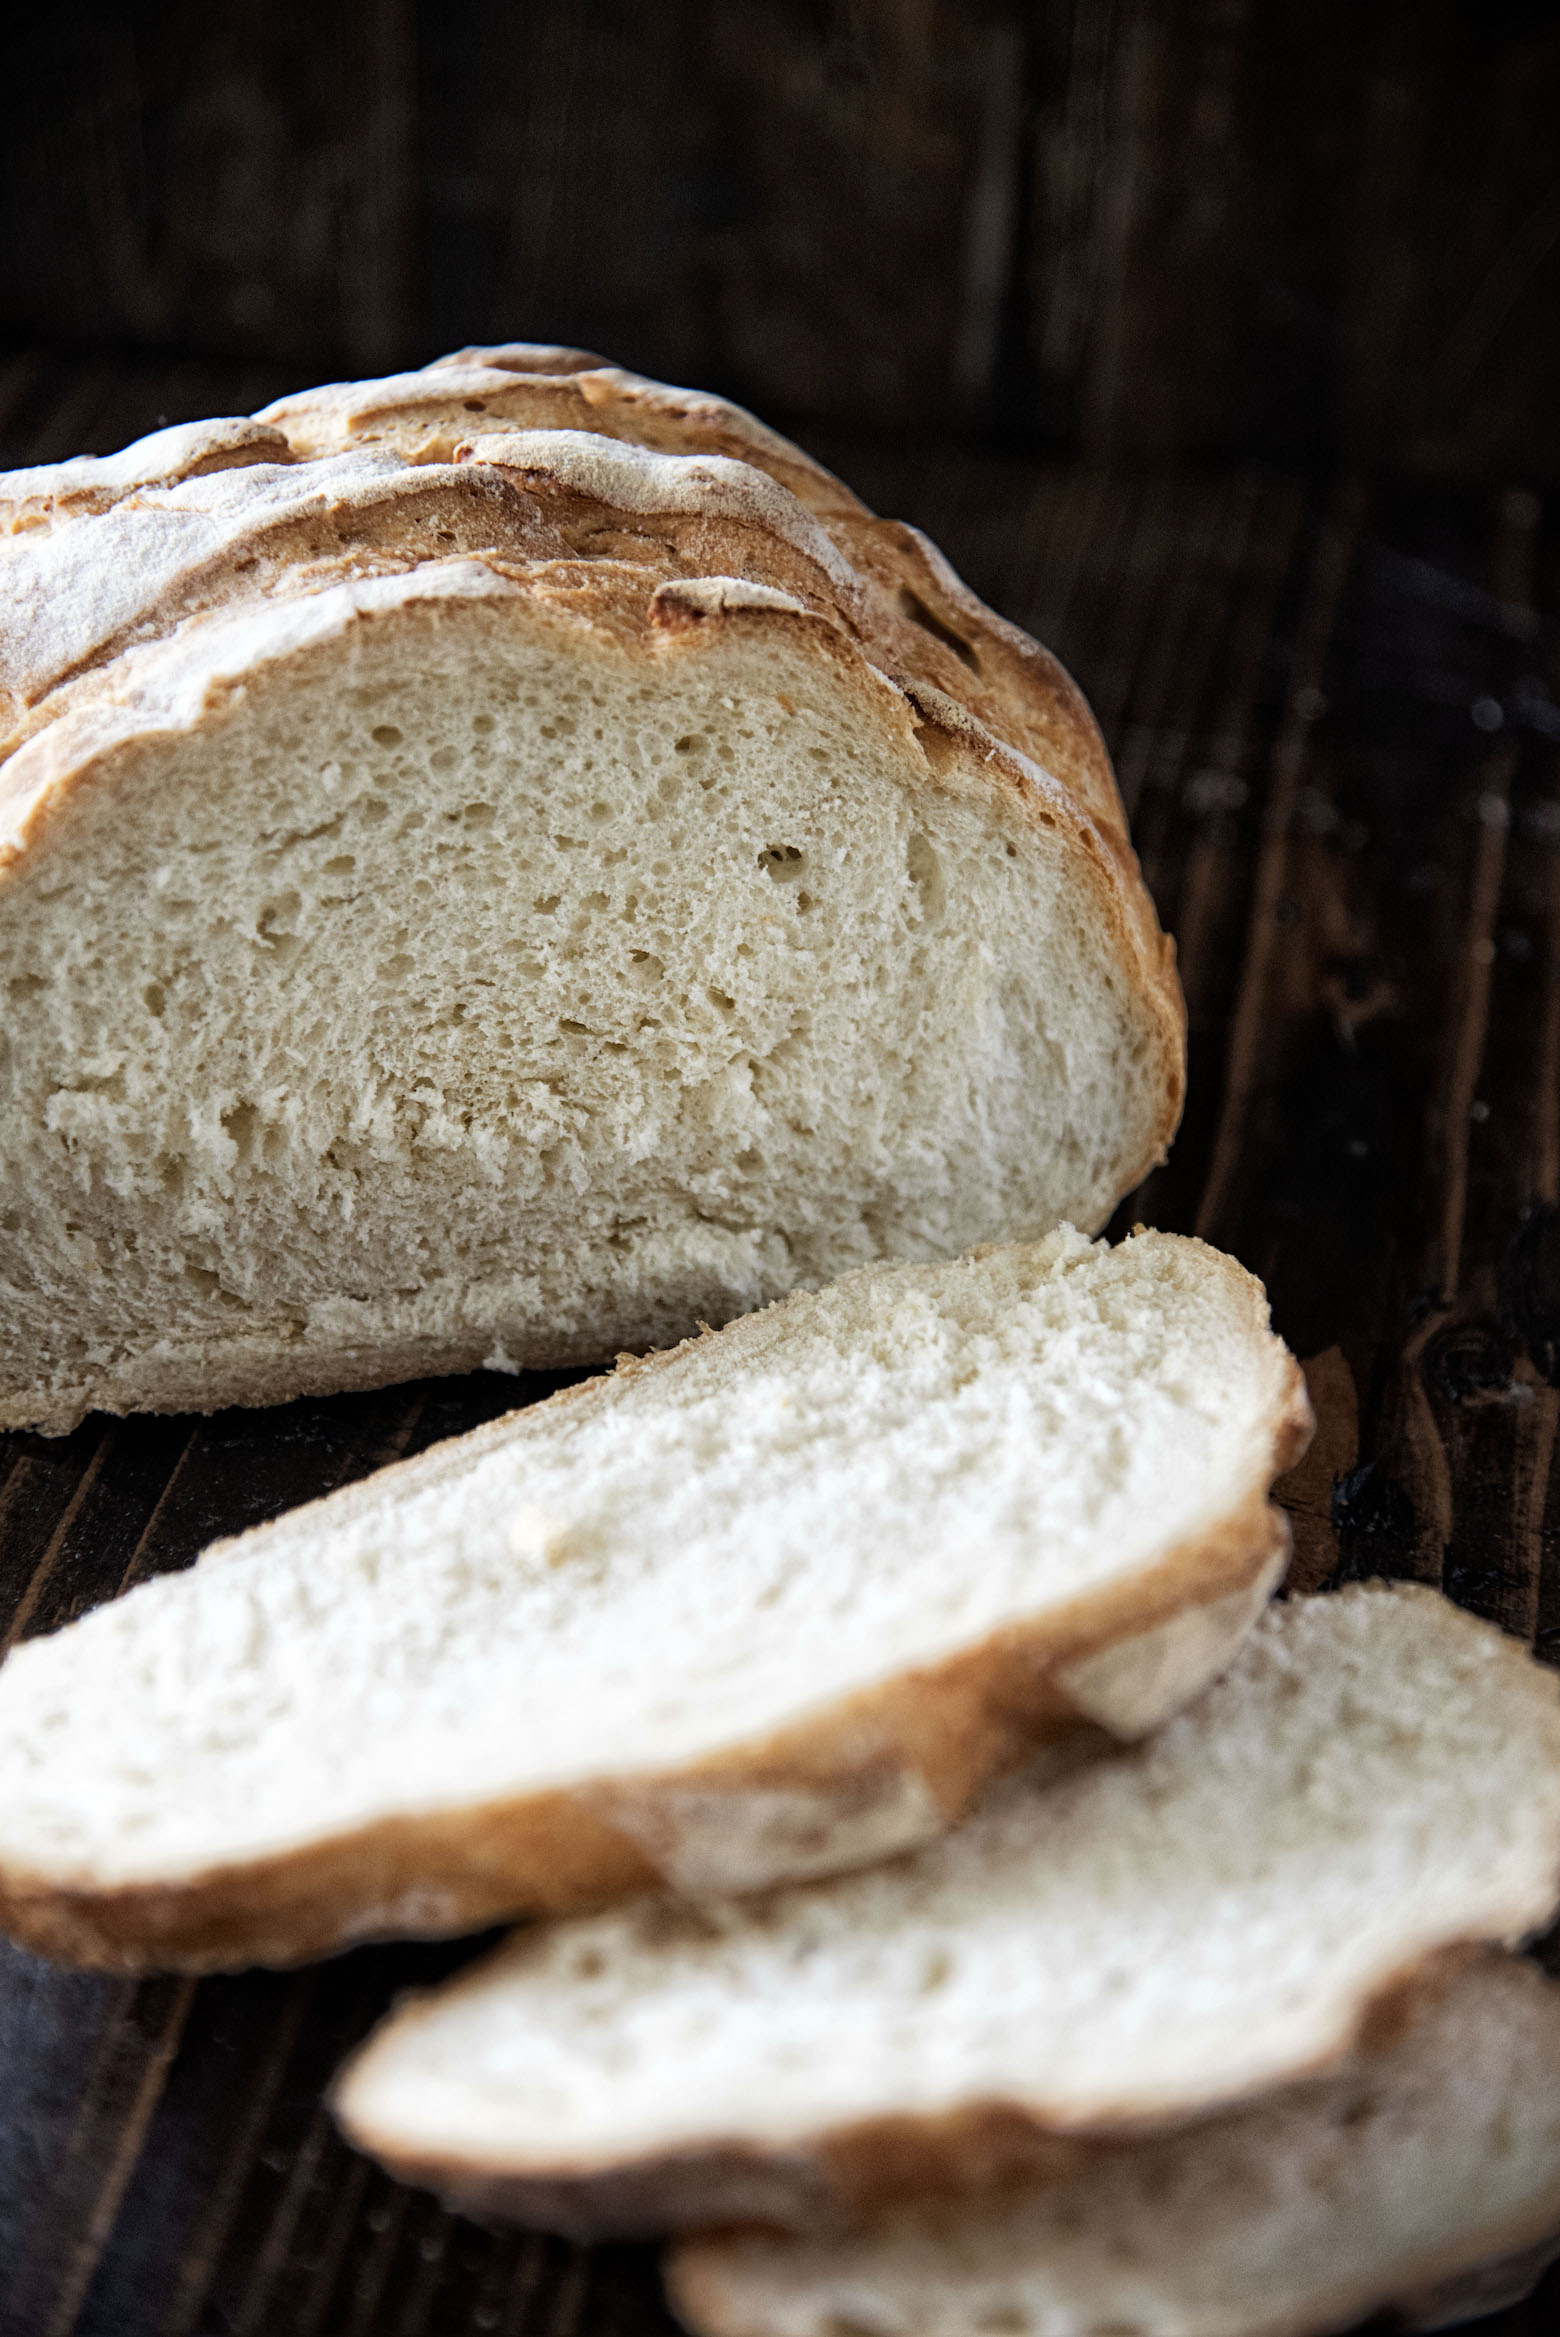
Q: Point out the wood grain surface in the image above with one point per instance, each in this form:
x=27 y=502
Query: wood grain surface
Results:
x=1330 y=707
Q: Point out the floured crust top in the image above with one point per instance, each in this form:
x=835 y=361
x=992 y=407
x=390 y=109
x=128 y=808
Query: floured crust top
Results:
x=649 y=512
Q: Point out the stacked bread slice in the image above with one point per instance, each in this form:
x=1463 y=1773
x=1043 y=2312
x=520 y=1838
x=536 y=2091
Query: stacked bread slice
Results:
x=770 y=1605
x=1233 y=1904
x=1377 y=2186
x=1021 y=1924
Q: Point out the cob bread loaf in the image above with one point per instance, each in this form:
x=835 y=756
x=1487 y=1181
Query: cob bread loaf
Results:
x=503 y=864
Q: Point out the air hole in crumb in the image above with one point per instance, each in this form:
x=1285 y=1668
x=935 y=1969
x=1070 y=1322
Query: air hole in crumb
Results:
x=385 y=734
x=691 y=744
x=479 y=815
x=276 y=919
x=155 y=998
x=474 y=405
x=719 y=998
x=343 y=864
x=442 y=759
x=912 y=606
x=482 y=724
x=600 y=812
x=926 y=876
x=782 y=862
x=374 y=808
x=240 y=1124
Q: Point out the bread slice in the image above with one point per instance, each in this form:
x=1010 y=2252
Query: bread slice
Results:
x=772 y=1604
x=1376 y=1777
x=501 y=865
x=1313 y=2208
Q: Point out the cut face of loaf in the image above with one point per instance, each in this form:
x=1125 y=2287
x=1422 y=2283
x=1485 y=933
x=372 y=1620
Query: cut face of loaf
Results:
x=1380 y=2187
x=510 y=899
x=1376 y=1778
x=773 y=1604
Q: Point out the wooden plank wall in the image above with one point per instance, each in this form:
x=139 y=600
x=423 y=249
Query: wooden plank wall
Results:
x=1143 y=229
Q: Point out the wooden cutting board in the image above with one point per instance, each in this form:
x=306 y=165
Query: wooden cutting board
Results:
x=1329 y=707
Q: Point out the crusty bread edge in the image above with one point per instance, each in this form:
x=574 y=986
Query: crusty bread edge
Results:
x=938 y=1732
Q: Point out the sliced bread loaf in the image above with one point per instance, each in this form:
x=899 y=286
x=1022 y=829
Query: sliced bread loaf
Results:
x=1381 y=2186
x=772 y=1604
x=1375 y=1778
x=502 y=865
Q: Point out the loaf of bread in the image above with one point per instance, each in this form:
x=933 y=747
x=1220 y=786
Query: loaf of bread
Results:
x=502 y=864
x=771 y=1605
x=1423 y=2178
x=1375 y=1780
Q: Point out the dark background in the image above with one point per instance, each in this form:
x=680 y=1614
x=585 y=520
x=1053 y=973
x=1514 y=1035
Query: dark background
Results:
x=1218 y=342
x=1135 y=230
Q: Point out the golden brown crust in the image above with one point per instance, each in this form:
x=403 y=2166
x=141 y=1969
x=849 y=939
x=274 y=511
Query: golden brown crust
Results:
x=526 y=386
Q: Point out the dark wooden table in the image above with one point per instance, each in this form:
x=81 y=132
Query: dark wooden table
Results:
x=1329 y=703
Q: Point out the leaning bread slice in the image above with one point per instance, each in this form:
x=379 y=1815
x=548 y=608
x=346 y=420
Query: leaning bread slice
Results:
x=1376 y=1777
x=506 y=864
x=1372 y=2188
x=771 y=1604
